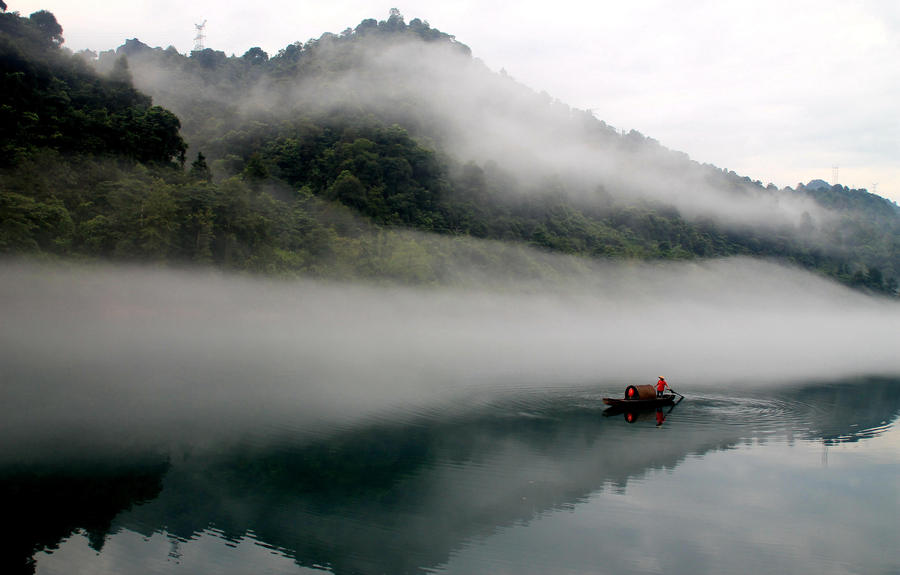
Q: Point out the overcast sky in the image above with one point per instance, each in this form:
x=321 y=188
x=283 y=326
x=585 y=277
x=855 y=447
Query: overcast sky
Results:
x=780 y=91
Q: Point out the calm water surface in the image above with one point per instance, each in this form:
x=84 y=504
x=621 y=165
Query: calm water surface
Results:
x=805 y=480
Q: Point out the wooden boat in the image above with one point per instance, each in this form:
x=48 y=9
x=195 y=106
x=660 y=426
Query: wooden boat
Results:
x=640 y=397
x=667 y=399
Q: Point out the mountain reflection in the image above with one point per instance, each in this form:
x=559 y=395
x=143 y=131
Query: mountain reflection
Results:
x=397 y=498
x=45 y=505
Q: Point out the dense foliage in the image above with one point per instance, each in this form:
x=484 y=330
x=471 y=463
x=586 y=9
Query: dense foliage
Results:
x=52 y=100
x=92 y=169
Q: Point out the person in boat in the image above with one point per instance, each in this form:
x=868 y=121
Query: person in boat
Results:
x=661 y=385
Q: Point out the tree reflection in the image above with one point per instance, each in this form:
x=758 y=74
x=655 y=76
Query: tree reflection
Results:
x=401 y=497
x=44 y=505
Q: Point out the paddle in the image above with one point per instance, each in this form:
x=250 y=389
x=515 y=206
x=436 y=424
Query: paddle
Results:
x=680 y=399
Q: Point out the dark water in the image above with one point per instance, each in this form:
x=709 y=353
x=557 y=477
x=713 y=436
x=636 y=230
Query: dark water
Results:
x=799 y=480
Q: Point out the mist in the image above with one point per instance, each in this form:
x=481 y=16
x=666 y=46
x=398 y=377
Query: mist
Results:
x=140 y=355
x=484 y=117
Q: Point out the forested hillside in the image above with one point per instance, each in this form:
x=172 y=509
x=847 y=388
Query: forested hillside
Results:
x=52 y=100
x=384 y=152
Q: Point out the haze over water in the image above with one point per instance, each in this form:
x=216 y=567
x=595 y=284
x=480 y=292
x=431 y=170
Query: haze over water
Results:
x=175 y=352
x=158 y=421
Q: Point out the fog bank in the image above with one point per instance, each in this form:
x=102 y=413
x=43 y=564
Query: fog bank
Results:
x=447 y=98
x=129 y=351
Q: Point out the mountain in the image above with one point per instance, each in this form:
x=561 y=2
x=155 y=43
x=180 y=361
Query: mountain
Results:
x=387 y=152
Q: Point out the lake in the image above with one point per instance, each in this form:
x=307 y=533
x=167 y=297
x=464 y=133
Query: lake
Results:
x=797 y=478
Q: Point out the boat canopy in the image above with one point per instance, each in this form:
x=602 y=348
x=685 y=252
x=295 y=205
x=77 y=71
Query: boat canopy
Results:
x=640 y=392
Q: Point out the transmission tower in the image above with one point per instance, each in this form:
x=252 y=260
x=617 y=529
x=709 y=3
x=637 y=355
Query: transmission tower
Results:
x=198 y=39
x=834 y=175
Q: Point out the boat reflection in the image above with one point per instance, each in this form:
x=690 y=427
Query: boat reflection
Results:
x=632 y=414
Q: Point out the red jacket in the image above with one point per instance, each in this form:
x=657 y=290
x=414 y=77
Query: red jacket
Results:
x=661 y=385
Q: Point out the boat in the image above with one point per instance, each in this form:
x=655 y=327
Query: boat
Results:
x=667 y=399
x=640 y=397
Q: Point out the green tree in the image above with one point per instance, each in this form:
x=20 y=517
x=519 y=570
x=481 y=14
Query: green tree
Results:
x=158 y=223
x=50 y=29
x=159 y=140
x=255 y=170
x=255 y=56
x=199 y=169
x=348 y=190
x=31 y=226
x=395 y=21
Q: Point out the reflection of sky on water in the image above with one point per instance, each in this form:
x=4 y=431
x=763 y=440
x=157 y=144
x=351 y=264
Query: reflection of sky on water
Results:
x=761 y=508
x=130 y=552
x=546 y=494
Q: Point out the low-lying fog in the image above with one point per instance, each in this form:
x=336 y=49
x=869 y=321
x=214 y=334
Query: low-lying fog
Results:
x=138 y=353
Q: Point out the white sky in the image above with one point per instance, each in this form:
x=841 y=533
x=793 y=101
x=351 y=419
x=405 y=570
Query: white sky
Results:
x=777 y=90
